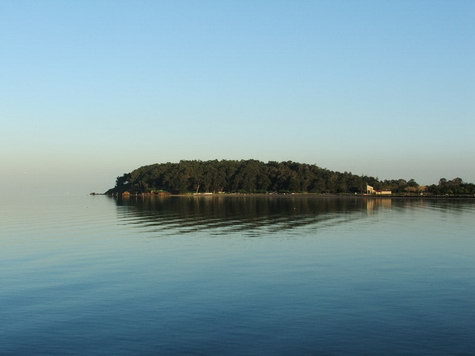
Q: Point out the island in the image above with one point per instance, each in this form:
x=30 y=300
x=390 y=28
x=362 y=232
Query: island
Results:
x=257 y=177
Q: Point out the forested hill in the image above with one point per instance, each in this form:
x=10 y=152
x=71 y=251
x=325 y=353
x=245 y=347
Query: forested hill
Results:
x=250 y=176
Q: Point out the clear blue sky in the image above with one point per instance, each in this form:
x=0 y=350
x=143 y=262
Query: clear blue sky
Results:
x=92 y=89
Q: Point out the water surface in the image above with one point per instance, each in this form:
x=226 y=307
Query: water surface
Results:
x=236 y=275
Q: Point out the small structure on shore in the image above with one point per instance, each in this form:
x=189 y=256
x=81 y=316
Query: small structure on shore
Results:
x=371 y=190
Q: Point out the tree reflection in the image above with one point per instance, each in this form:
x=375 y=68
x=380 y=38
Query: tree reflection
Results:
x=252 y=215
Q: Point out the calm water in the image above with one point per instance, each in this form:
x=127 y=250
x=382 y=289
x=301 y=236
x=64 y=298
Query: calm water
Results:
x=93 y=275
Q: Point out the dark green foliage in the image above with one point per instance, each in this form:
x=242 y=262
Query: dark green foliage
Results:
x=252 y=176
x=455 y=186
x=245 y=176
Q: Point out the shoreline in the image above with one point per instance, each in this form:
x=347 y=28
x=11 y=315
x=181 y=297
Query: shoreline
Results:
x=289 y=195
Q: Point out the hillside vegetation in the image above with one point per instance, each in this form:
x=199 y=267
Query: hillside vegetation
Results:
x=252 y=176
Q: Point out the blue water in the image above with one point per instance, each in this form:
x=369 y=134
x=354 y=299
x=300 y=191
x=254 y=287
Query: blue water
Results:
x=236 y=275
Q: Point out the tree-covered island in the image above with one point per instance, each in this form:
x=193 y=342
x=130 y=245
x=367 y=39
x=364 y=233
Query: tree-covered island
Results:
x=252 y=176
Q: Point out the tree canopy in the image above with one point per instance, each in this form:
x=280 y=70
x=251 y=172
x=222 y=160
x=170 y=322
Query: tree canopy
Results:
x=455 y=186
x=252 y=176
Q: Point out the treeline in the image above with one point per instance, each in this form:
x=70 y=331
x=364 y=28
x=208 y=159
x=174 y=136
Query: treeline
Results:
x=455 y=186
x=252 y=176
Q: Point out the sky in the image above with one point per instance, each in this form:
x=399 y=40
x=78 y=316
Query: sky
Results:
x=90 y=90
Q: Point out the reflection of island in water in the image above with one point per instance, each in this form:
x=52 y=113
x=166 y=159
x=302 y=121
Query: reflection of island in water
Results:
x=249 y=214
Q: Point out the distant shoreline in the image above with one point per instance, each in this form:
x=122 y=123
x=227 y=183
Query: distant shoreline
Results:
x=286 y=177
x=287 y=195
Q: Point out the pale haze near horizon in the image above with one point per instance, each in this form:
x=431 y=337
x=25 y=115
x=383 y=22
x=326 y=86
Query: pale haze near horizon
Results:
x=90 y=90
